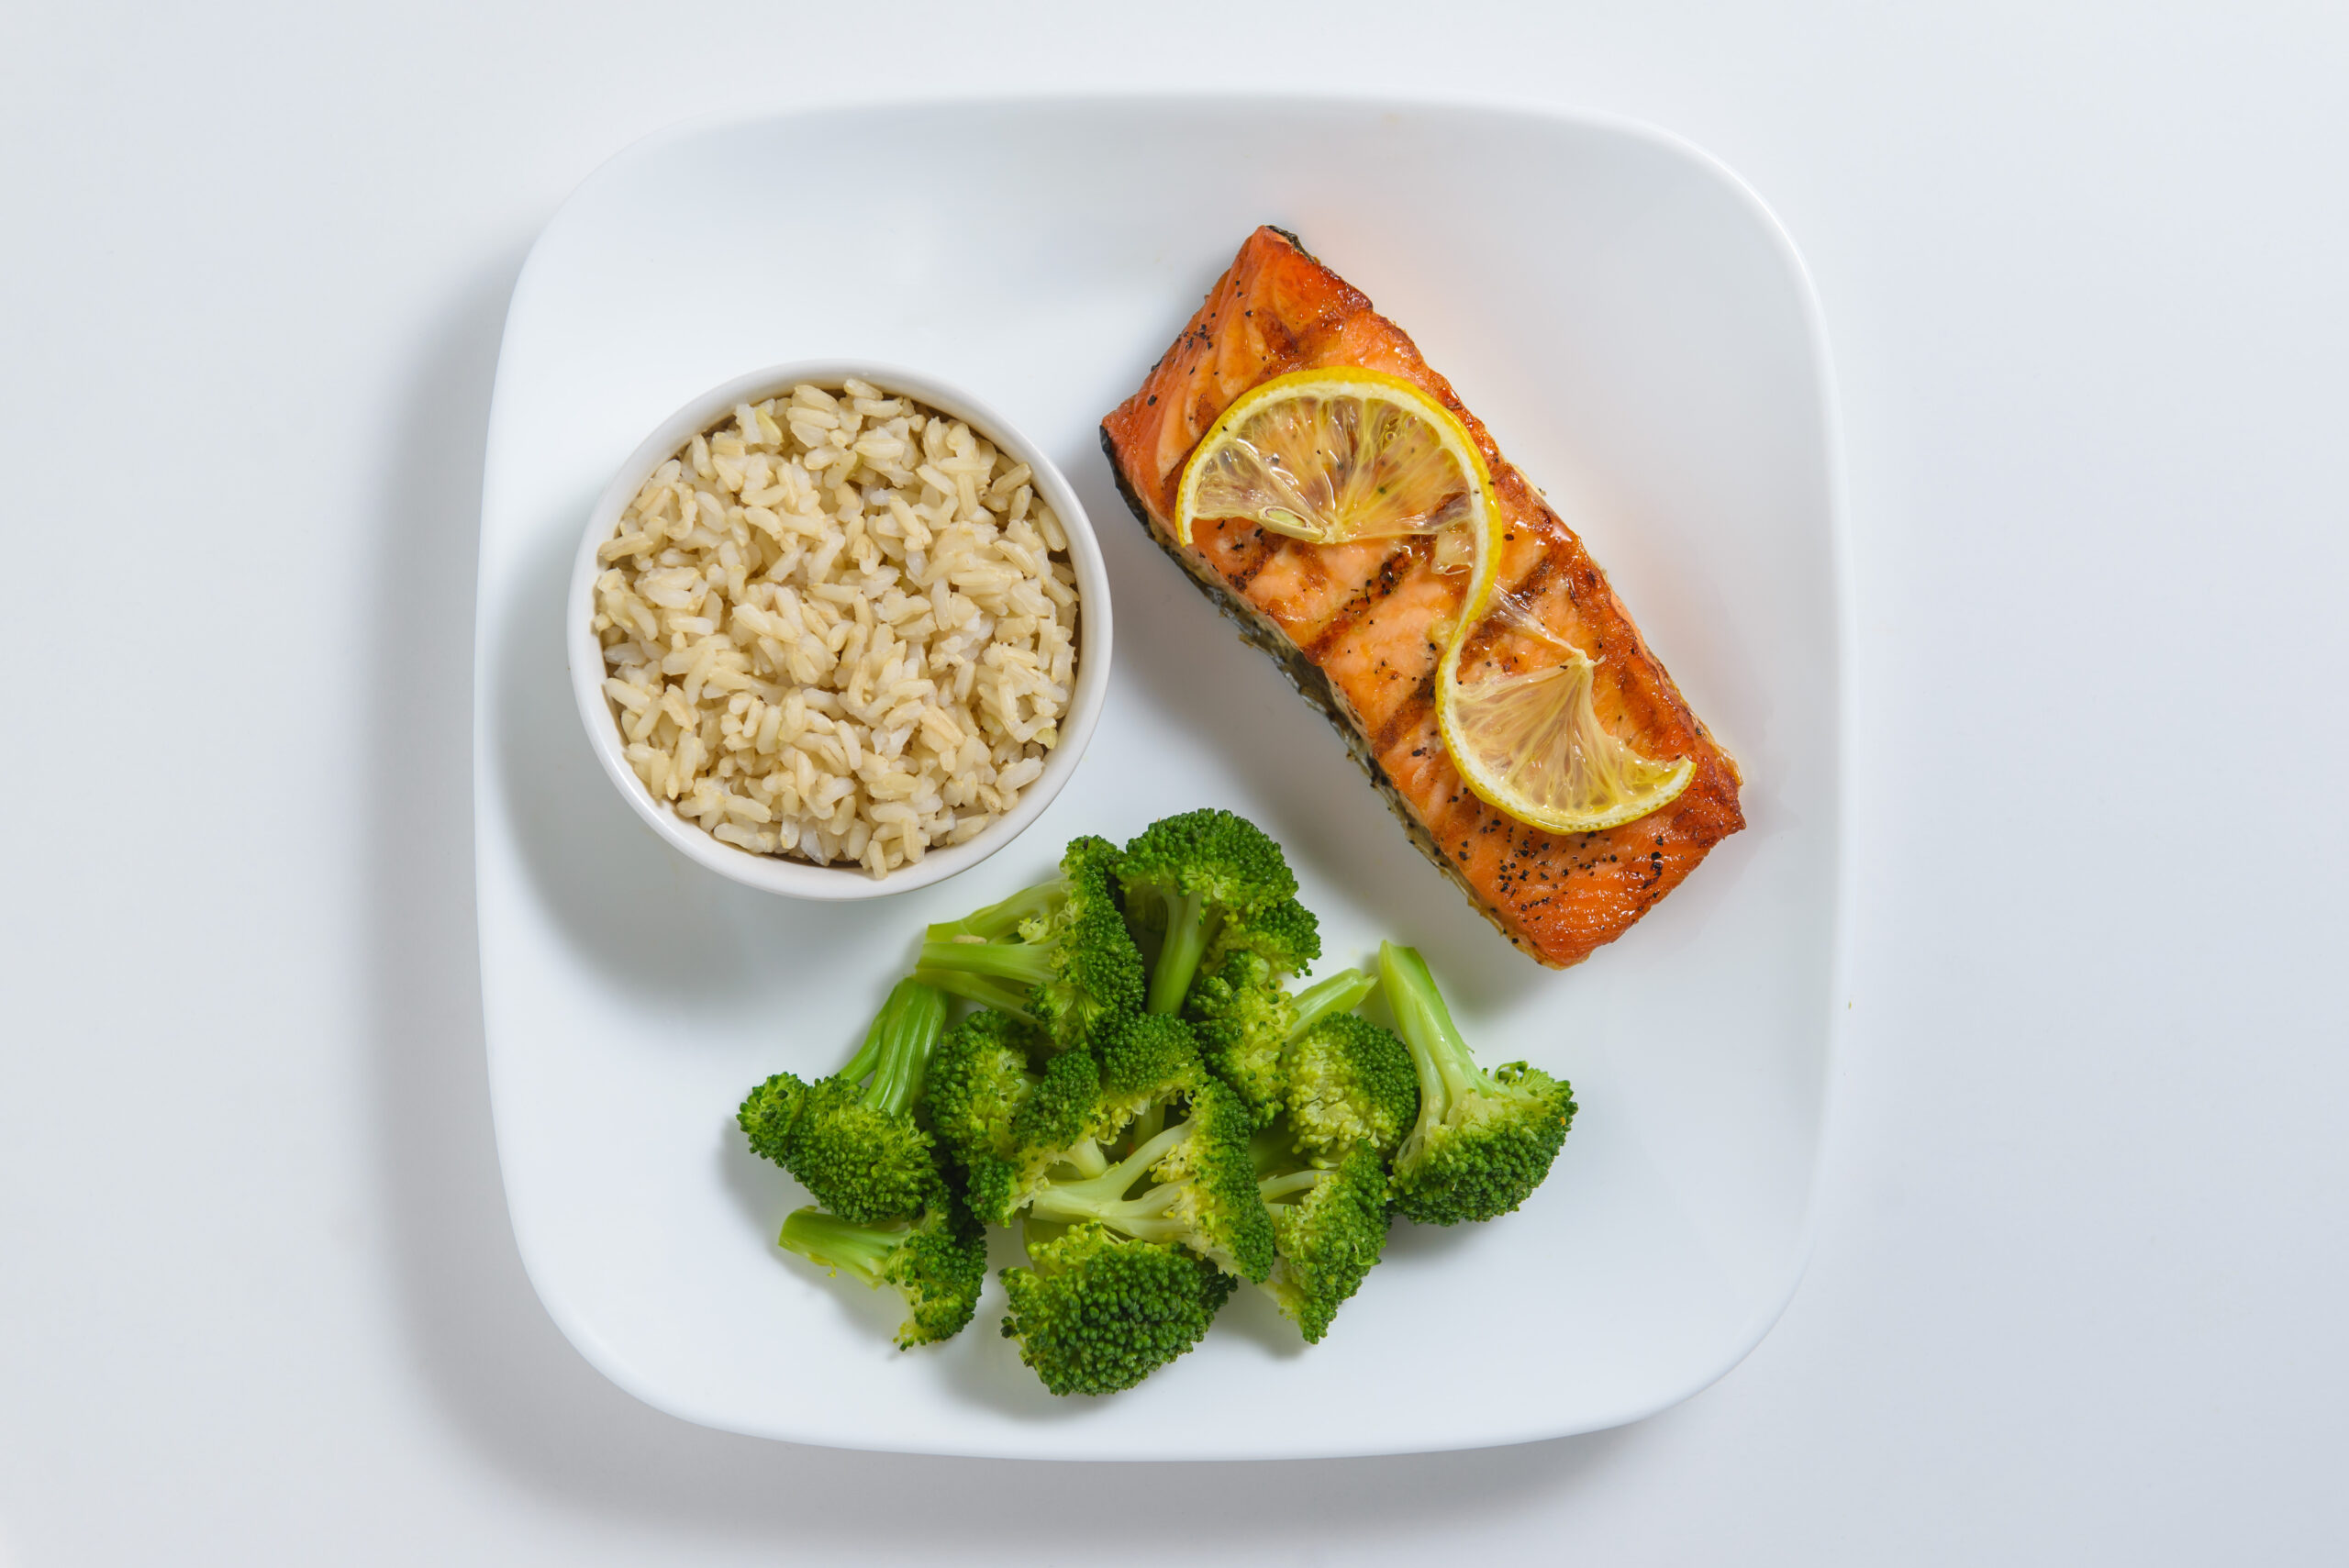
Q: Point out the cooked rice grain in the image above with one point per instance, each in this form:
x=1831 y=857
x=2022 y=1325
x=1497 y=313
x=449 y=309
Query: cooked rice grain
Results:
x=840 y=628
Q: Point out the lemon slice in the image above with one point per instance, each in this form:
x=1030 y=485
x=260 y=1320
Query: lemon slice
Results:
x=1330 y=456
x=1529 y=743
x=1335 y=455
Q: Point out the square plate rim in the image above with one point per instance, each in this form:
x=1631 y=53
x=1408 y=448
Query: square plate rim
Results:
x=1773 y=1304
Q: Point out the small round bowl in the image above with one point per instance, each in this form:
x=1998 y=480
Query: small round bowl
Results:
x=801 y=879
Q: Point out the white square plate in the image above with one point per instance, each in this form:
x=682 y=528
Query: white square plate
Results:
x=1638 y=335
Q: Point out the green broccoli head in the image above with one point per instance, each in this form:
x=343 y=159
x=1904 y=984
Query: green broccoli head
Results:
x=1216 y=1208
x=1349 y=1083
x=1148 y=1061
x=769 y=1113
x=1487 y=1152
x=1285 y=935
x=1100 y=969
x=865 y=1164
x=1244 y=1015
x=980 y=1078
x=852 y=1138
x=937 y=1261
x=1328 y=1230
x=1482 y=1141
x=980 y=1075
x=1247 y=1021
x=1059 y=955
x=1008 y=1124
x=1211 y=854
x=1185 y=878
x=1098 y=1312
x=1200 y=1176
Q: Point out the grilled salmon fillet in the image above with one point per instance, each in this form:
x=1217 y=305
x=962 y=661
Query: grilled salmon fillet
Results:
x=1359 y=626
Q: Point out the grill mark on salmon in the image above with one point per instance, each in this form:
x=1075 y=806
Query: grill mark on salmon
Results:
x=1416 y=714
x=1251 y=563
x=1355 y=627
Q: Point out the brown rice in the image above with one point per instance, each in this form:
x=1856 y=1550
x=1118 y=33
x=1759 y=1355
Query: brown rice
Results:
x=840 y=628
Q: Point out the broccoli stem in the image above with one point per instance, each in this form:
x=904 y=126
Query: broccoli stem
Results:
x=1022 y=963
x=1103 y=1198
x=997 y=921
x=1447 y=1071
x=1273 y=1188
x=994 y=993
x=1179 y=954
x=835 y=1243
x=898 y=1044
x=1342 y=993
x=868 y=1051
x=975 y=957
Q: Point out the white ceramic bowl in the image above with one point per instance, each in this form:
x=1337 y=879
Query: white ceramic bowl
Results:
x=775 y=874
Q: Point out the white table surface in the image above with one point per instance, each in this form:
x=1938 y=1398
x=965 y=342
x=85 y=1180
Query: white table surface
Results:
x=2079 y=1281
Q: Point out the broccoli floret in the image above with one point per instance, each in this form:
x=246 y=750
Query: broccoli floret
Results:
x=852 y=1138
x=1329 y=1228
x=1058 y=954
x=1013 y=1126
x=1348 y=1083
x=1244 y=1015
x=1148 y=1064
x=1482 y=1141
x=1007 y=1123
x=1182 y=1137
x=982 y=1072
x=938 y=1262
x=1246 y=1020
x=1285 y=935
x=1185 y=877
x=1097 y=1312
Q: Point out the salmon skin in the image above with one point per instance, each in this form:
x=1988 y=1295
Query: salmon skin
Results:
x=1359 y=626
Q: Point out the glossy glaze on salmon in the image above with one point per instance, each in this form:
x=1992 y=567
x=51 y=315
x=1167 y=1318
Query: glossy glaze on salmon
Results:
x=1359 y=626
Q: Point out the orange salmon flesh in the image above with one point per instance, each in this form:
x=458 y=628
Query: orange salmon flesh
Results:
x=1360 y=627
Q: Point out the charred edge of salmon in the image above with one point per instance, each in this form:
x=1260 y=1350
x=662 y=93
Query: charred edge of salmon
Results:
x=1315 y=687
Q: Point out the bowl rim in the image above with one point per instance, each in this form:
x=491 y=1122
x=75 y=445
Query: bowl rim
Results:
x=776 y=873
